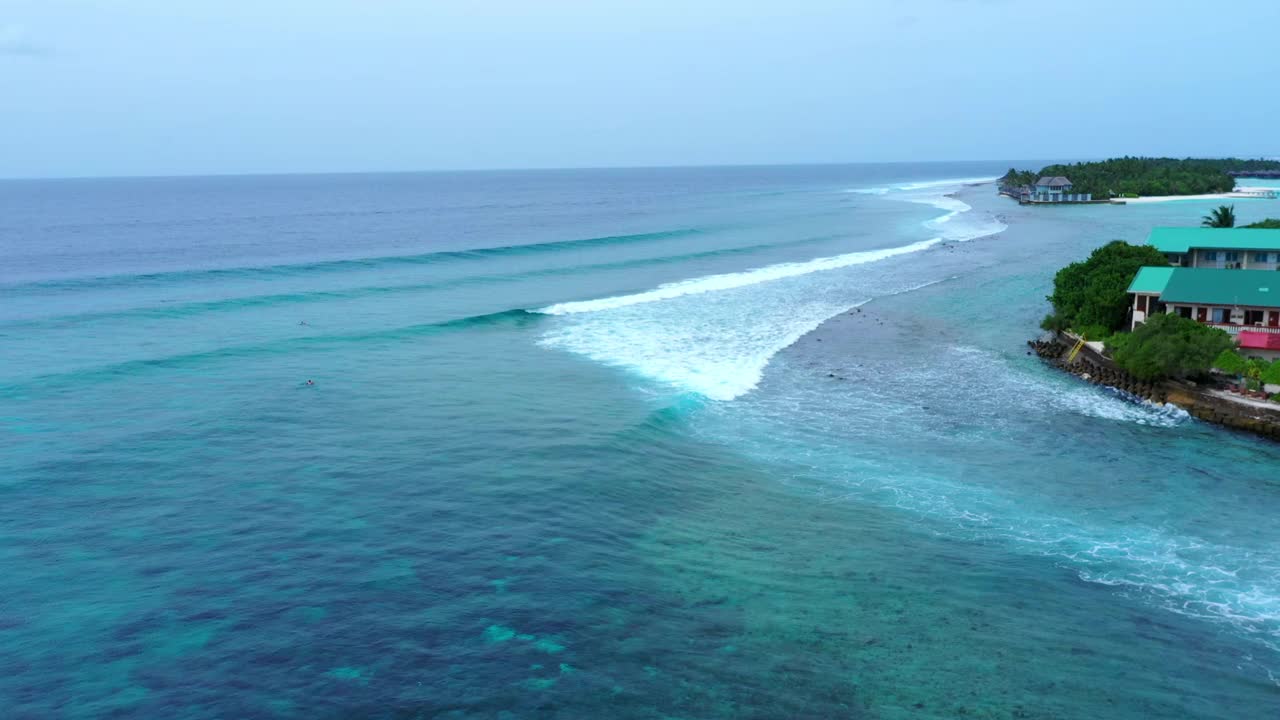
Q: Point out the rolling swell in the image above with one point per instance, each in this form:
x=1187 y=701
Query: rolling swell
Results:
x=189 y=309
x=514 y=318
x=326 y=266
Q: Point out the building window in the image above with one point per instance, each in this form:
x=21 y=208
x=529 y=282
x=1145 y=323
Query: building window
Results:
x=1184 y=311
x=1232 y=256
x=1261 y=257
x=1253 y=317
x=1211 y=255
x=1221 y=316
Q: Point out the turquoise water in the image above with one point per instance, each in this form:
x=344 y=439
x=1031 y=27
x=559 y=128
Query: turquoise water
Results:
x=656 y=443
x=1259 y=182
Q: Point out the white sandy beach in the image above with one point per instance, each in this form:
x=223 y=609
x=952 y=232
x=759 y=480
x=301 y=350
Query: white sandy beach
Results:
x=1241 y=193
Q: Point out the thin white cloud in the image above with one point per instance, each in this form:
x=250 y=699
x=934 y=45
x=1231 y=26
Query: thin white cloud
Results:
x=15 y=40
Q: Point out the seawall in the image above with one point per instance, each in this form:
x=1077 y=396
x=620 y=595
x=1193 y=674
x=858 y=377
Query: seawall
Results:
x=1200 y=403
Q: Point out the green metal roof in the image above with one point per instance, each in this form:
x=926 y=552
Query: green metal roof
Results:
x=1182 y=239
x=1150 y=280
x=1211 y=286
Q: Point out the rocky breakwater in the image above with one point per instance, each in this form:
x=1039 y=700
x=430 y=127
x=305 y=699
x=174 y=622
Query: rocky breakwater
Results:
x=1202 y=403
x=1095 y=369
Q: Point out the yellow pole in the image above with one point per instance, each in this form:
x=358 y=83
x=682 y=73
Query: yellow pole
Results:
x=1075 y=350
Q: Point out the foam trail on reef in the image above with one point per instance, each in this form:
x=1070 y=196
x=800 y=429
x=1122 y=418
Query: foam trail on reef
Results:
x=716 y=345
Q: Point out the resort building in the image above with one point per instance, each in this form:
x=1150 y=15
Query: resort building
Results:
x=1052 y=190
x=1221 y=277
x=1222 y=248
x=1245 y=303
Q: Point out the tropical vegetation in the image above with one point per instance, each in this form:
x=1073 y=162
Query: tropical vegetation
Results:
x=1254 y=371
x=1223 y=216
x=1144 y=176
x=1168 y=346
x=1268 y=224
x=1094 y=293
x=1271 y=375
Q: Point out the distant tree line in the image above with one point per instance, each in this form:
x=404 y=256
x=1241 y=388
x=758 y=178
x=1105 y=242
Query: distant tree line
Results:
x=1144 y=176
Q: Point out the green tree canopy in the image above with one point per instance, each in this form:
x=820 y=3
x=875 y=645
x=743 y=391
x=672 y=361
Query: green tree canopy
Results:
x=1269 y=224
x=1223 y=216
x=1093 y=292
x=1017 y=178
x=1169 y=346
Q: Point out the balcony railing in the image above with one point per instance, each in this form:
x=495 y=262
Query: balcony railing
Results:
x=1233 y=328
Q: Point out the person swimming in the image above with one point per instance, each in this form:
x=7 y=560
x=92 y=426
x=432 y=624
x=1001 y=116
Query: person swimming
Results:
x=311 y=382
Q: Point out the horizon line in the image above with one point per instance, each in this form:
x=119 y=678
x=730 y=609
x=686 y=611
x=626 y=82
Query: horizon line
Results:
x=305 y=173
x=568 y=168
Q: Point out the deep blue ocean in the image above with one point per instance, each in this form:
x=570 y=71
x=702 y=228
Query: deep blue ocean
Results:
x=652 y=443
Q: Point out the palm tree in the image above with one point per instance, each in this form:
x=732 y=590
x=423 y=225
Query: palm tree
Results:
x=1222 y=217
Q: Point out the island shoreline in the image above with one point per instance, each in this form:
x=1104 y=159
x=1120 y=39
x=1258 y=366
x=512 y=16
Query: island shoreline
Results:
x=1201 y=403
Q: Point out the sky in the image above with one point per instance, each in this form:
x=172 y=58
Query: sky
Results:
x=158 y=87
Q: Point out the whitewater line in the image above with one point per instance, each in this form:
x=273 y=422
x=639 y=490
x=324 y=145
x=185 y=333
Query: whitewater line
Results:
x=729 y=281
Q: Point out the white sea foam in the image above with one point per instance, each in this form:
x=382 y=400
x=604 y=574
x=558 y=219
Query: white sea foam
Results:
x=1115 y=405
x=716 y=345
x=1032 y=392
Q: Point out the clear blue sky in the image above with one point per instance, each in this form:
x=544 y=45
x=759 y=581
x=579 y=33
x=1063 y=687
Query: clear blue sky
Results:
x=123 y=87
